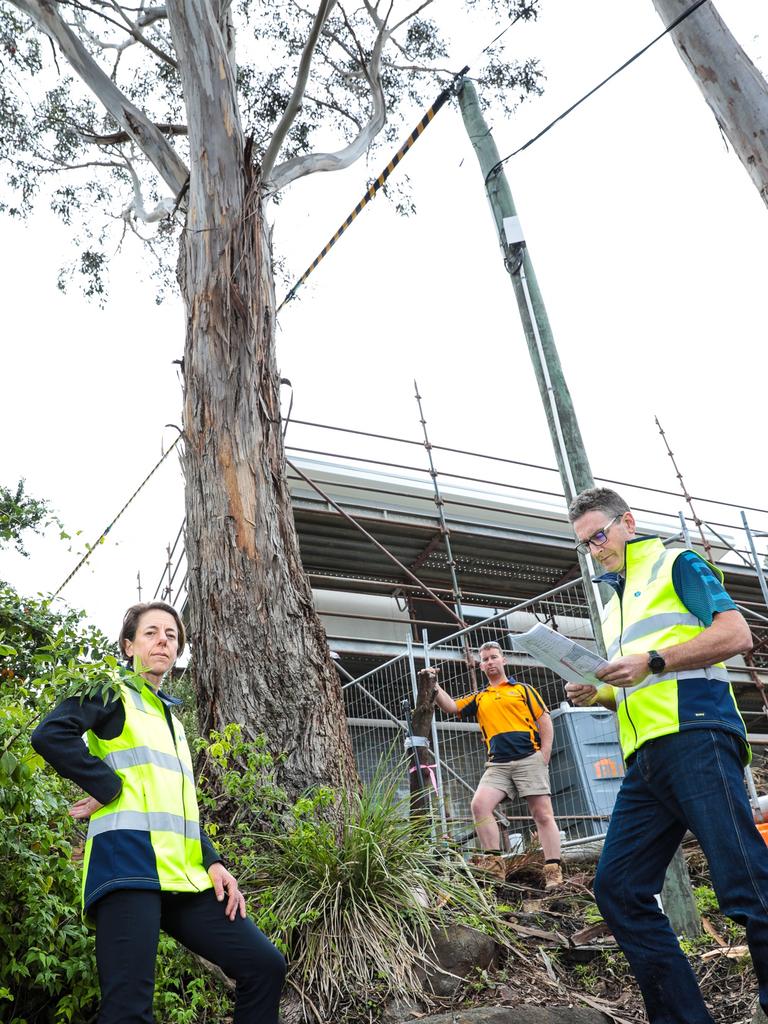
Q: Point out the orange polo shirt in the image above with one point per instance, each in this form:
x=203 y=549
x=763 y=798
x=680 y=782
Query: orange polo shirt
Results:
x=507 y=716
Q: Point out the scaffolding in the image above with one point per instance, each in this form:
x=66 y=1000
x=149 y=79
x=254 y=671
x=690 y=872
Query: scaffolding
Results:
x=389 y=606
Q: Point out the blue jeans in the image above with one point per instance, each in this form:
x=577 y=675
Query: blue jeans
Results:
x=689 y=780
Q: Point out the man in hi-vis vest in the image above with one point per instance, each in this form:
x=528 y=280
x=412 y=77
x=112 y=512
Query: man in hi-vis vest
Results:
x=669 y=626
x=147 y=865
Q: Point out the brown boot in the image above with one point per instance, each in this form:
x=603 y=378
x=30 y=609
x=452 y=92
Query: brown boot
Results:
x=553 y=877
x=490 y=864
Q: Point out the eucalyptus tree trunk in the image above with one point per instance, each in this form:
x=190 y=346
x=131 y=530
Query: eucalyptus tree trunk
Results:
x=736 y=92
x=260 y=652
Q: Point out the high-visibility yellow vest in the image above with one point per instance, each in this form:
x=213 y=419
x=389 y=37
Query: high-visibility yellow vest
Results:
x=149 y=836
x=650 y=616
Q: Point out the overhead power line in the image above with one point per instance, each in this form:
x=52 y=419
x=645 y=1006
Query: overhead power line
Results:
x=104 y=533
x=379 y=182
x=681 y=18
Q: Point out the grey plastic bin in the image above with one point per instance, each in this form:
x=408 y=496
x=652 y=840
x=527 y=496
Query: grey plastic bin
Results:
x=586 y=769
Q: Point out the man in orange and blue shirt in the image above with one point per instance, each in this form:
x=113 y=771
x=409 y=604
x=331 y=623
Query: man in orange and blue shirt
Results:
x=518 y=734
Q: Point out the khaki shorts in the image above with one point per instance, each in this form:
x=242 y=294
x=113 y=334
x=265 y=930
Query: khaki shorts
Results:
x=527 y=777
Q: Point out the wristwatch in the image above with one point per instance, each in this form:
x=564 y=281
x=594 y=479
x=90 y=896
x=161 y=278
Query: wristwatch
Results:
x=655 y=662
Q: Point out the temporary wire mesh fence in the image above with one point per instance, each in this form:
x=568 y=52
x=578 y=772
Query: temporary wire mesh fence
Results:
x=586 y=766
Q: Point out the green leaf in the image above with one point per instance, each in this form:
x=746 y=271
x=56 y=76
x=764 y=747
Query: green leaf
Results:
x=7 y=765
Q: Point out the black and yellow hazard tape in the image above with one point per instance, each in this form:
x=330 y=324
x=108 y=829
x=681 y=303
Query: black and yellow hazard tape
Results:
x=375 y=185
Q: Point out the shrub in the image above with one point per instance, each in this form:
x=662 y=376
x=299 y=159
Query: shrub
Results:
x=350 y=900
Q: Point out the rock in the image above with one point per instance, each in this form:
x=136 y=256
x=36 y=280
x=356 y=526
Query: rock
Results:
x=758 y=1018
x=520 y=1015
x=398 y=1010
x=459 y=951
x=507 y=995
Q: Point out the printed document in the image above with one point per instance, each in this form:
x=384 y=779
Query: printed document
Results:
x=576 y=664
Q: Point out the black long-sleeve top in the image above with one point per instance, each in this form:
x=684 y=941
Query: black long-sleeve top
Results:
x=58 y=739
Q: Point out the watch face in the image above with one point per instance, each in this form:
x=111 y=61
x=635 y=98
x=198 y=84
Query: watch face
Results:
x=656 y=663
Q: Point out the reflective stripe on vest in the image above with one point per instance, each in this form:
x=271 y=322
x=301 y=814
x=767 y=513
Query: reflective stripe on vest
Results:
x=155 y=817
x=651 y=624
x=135 y=756
x=145 y=821
x=651 y=616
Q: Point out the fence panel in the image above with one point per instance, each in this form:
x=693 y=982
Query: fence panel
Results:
x=586 y=767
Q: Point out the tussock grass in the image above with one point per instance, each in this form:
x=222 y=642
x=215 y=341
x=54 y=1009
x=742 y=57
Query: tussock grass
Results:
x=352 y=904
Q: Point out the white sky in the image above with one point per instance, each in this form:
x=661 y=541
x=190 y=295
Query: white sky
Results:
x=648 y=241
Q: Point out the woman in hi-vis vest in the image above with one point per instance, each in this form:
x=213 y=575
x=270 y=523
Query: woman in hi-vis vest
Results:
x=147 y=865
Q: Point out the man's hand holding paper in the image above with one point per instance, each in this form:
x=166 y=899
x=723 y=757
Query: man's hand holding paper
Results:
x=627 y=671
x=581 y=694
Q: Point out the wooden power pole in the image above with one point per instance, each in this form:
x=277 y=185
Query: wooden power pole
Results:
x=572 y=461
x=570 y=453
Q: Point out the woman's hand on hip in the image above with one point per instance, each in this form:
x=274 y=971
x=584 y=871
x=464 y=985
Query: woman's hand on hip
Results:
x=85 y=808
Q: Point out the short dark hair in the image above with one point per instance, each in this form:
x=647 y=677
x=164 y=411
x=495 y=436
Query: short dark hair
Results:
x=131 y=623
x=601 y=499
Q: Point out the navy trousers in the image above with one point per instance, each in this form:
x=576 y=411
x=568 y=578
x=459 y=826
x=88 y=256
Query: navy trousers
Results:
x=689 y=780
x=128 y=924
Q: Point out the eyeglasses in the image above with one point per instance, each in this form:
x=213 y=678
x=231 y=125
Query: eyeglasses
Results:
x=598 y=538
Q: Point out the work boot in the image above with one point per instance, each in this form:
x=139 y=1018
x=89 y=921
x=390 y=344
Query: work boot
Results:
x=553 y=877
x=490 y=864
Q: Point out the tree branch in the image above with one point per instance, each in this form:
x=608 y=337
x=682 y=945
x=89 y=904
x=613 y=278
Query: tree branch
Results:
x=298 y=167
x=139 y=37
x=133 y=31
x=374 y=13
x=59 y=165
x=116 y=138
x=329 y=105
x=413 y=14
x=294 y=103
x=137 y=210
x=134 y=122
x=423 y=69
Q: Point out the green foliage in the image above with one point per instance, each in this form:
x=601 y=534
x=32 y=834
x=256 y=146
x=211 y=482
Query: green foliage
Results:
x=692 y=947
x=592 y=914
x=19 y=512
x=349 y=891
x=705 y=899
x=51 y=122
x=184 y=992
x=246 y=783
x=46 y=956
x=353 y=905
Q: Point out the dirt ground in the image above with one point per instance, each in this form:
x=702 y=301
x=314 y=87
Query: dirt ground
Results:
x=564 y=956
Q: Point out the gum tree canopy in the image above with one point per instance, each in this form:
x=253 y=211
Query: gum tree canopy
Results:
x=177 y=121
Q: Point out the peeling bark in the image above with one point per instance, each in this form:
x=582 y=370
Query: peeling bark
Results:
x=261 y=656
x=736 y=92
